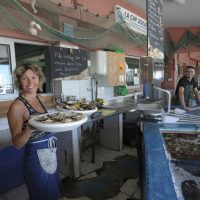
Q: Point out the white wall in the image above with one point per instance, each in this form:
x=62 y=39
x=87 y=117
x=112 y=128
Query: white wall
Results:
x=81 y=89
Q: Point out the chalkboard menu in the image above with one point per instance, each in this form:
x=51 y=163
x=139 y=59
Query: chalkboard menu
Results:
x=67 y=62
x=155 y=29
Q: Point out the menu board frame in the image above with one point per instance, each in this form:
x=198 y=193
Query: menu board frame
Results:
x=66 y=62
x=155 y=29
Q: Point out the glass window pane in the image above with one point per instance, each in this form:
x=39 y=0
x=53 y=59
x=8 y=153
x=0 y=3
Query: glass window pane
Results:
x=6 y=82
x=34 y=54
x=132 y=71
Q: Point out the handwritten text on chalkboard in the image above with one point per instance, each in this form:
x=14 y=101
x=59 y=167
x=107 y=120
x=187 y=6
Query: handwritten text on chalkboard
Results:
x=67 y=62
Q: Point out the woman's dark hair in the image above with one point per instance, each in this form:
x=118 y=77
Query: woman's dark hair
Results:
x=19 y=71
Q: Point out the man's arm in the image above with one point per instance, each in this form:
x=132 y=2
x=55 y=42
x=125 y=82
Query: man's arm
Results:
x=181 y=98
x=197 y=95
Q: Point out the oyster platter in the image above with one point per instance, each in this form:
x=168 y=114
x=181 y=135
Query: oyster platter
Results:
x=58 y=121
x=82 y=106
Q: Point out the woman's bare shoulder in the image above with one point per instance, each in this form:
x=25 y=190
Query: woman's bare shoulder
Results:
x=16 y=106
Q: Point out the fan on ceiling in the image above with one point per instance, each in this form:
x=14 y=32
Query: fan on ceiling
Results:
x=179 y=2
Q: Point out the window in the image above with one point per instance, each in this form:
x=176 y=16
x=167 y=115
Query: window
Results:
x=132 y=71
x=13 y=53
x=6 y=82
x=34 y=54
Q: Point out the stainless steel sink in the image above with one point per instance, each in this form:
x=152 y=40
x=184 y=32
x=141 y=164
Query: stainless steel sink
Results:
x=148 y=101
x=124 y=106
x=151 y=108
x=131 y=105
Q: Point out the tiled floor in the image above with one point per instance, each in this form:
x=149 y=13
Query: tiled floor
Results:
x=128 y=189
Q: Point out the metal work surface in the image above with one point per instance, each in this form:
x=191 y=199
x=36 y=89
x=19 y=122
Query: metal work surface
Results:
x=131 y=105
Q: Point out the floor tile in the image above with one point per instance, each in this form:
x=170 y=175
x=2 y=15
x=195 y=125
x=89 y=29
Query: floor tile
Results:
x=80 y=198
x=137 y=193
x=19 y=193
x=2 y=197
x=91 y=175
x=129 y=186
x=61 y=175
x=120 y=196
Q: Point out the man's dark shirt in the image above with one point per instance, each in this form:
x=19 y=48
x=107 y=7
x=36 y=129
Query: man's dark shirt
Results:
x=184 y=81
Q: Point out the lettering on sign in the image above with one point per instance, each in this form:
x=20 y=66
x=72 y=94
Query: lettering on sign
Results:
x=67 y=62
x=133 y=21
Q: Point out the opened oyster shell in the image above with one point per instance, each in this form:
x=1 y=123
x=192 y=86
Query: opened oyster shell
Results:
x=81 y=104
x=59 y=117
x=57 y=121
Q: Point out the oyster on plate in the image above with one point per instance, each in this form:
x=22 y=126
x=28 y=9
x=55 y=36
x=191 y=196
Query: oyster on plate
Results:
x=59 y=117
x=81 y=104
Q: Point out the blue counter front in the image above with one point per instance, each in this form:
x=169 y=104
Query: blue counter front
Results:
x=158 y=180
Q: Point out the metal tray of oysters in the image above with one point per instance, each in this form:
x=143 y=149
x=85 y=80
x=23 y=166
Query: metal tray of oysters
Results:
x=150 y=109
x=57 y=121
x=82 y=106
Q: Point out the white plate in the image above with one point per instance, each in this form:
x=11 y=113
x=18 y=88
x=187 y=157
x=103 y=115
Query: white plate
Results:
x=56 y=127
x=84 y=112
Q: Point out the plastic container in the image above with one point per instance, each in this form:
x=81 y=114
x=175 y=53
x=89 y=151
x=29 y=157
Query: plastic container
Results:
x=121 y=90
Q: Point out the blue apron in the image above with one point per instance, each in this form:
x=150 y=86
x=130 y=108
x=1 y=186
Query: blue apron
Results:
x=40 y=162
x=39 y=167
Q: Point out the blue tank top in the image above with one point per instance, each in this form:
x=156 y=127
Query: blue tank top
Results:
x=37 y=134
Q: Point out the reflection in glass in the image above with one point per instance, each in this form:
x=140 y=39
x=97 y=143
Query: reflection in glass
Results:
x=6 y=83
x=132 y=71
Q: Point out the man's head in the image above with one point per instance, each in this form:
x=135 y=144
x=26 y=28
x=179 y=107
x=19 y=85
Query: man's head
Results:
x=190 y=72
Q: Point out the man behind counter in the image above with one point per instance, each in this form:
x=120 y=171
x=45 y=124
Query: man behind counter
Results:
x=187 y=90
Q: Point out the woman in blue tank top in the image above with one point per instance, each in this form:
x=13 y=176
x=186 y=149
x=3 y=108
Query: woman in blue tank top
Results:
x=40 y=161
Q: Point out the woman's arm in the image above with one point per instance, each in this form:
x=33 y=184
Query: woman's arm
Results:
x=16 y=117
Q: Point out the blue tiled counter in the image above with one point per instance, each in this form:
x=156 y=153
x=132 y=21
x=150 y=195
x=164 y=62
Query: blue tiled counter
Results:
x=158 y=180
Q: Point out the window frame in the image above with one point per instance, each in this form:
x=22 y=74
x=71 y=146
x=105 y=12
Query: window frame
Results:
x=11 y=43
x=138 y=85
